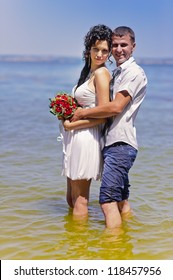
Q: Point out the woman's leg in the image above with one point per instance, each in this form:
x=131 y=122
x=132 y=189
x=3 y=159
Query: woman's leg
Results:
x=68 y=195
x=80 y=197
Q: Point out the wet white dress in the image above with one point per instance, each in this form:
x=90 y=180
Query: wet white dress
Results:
x=81 y=148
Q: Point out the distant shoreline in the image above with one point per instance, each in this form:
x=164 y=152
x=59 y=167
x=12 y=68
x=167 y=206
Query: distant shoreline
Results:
x=64 y=59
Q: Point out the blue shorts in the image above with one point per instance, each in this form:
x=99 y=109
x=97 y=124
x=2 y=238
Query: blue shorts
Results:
x=118 y=159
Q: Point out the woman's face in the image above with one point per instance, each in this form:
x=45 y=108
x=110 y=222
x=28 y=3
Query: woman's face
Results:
x=99 y=53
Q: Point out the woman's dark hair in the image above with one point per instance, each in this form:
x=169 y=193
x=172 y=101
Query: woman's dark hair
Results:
x=97 y=32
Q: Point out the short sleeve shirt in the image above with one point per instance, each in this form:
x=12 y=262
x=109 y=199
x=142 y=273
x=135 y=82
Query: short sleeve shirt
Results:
x=133 y=80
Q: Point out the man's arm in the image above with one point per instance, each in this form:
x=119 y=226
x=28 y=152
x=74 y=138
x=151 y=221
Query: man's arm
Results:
x=110 y=109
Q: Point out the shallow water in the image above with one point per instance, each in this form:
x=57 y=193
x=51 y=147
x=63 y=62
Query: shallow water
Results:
x=35 y=220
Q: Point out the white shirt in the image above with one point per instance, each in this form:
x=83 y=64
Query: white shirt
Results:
x=133 y=80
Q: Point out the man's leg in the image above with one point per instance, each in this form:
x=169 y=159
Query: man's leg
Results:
x=124 y=206
x=114 y=191
x=111 y=190
x=112 y=214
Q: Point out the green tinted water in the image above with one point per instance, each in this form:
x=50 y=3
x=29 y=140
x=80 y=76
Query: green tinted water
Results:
x=35 y=220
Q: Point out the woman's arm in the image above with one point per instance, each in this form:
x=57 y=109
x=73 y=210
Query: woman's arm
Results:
x=82 y=124
x=101 y=81
x=100 y=84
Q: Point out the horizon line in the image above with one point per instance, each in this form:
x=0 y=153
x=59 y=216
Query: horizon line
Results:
x=62 y=58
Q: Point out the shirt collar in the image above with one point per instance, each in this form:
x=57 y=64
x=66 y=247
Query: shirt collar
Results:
x=127 y=63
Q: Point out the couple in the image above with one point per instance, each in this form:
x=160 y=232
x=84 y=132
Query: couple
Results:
x=114 y=116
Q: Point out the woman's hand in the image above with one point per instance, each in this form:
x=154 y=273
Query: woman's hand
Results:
x=60 y=118
x=67 y=125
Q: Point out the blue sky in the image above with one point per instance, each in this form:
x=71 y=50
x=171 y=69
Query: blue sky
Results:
x=57 y=27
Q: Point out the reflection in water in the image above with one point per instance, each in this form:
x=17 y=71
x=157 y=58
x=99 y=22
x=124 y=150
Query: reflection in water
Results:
x=81 y=241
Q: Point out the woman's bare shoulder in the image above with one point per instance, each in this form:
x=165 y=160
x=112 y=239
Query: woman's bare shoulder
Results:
x=102 y=71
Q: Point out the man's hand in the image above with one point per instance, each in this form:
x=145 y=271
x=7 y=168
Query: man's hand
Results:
x=77 y=115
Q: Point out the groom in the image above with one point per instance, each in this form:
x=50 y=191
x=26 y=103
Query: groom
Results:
x=120 y=150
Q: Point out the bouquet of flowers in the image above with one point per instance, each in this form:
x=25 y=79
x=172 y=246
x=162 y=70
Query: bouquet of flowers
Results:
x=63 y=105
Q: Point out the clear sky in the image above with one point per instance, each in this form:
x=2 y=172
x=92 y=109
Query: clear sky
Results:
x=57 y=27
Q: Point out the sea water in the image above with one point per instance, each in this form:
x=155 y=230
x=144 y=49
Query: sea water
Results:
x=36 y=222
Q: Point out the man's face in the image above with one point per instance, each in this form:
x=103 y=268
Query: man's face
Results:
x=122 y=48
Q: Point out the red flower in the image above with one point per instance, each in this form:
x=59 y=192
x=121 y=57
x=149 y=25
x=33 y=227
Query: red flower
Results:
x=63 y=105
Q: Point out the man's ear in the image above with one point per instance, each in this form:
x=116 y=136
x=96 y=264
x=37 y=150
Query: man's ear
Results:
x=134 y=46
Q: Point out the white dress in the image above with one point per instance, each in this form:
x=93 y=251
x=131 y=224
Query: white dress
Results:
x=81 y=148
